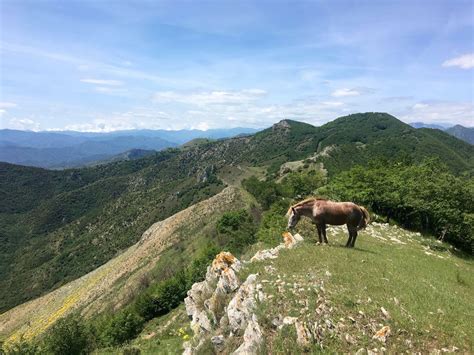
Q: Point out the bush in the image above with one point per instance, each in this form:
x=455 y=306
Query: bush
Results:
x=424 y=197
x=236 y=230
x=22 y=347
x=273 y=223
x=120 y=328
x=68 y=336
x=301 y=184
x=265 y=192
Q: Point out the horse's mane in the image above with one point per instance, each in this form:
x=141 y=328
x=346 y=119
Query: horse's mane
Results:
x=305 y=201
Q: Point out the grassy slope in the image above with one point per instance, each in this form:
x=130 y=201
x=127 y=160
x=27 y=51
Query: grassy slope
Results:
x=169 y=243
x=427 y=291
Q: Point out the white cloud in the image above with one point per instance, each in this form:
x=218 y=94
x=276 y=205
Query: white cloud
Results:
x=204 y=98
x=465 y=61
x=419 y=106
x=23 y=124
x=7 y=105
x=4 y=106
x=345 y=92
x=102 y=82
x=440 y=112
x=333 y=103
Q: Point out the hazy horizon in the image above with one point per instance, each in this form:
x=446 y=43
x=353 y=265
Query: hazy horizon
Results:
x=107 y=66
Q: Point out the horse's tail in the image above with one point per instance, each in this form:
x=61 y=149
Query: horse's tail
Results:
x=365 y=218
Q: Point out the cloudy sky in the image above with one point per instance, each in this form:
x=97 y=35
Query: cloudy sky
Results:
x=104 y=65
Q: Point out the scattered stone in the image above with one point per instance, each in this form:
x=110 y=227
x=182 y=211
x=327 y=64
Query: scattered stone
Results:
x=385 y=313
x=218 y=342
x=289 y=320
x=277 y=321
x=267 y=254
x=361 y=351
x=303 y=335
x=382 y=334
x=328 y=274
x=349 y=339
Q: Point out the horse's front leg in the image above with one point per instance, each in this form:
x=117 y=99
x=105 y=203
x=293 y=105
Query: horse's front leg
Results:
x=323 y=229
x=318 y=227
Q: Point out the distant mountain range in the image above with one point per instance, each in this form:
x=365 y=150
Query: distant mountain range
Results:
x=464 y=133
x=461 y=132
x=74 y=149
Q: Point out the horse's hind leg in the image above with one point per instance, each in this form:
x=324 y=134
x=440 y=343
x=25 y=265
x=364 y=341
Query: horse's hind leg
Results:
x=349 y=240
x=323 y=229
x=354 y=237
x=319 y=233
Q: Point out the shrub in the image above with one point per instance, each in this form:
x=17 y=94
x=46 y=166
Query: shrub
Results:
x=424 y=197
x=120 y=328
x=21 y=347
x=273 y=223
x=236 y=230
x=265 y=192
x=68 y=336
x=301 y=184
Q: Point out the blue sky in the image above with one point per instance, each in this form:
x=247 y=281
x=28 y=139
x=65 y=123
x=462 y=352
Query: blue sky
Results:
x=105 y=65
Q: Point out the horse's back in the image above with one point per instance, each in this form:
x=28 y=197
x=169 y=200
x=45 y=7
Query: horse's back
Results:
x=337 y=213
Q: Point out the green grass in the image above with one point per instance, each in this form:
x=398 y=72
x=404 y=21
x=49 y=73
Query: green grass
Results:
x=429 y=297
x=427 y=291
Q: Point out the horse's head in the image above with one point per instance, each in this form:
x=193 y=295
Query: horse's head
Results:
x=294 y=218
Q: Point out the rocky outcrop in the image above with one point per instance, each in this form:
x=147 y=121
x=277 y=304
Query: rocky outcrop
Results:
x=223 y=307
x=204 y=301
x=253 y=338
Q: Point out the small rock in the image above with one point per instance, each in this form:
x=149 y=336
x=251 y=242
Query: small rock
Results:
x=289 y=320
x=349 y=339
x=328 y=274
x=303 y=335
x=385 y=313
x=218 y=341
x=361 y=351
x=277 y=321
x=382 y=334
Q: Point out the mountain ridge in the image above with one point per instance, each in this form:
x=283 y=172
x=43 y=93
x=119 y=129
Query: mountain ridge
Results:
x=54 y=216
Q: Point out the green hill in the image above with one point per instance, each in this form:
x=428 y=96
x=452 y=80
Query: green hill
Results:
x=56 y=226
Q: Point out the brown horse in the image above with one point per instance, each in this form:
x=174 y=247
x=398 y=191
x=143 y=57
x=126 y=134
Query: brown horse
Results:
x=323 y=212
